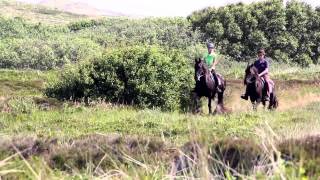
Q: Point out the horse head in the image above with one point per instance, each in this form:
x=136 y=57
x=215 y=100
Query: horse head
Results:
x=200 y=69
x=251 y=74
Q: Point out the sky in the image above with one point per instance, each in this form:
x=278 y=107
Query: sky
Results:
x=162 y=7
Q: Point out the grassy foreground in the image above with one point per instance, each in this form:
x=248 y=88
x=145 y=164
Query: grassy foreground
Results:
x=43 y=138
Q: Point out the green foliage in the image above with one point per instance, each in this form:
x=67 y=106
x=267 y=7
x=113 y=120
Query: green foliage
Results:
x=144 y=76
x=19 y=105
x=303 y=59
x=39 y=46
x=290 y=33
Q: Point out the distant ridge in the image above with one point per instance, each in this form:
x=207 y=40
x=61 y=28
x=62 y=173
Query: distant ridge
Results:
x=78 y=8
x=37 y=13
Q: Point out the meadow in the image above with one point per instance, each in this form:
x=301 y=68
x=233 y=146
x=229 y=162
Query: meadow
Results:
x=109 y=98
x=65 y=139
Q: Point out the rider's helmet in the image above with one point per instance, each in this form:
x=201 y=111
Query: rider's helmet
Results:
x=210 y=45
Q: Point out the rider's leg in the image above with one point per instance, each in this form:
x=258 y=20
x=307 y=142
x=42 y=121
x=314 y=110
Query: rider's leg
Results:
x=216 y=79
x=269 y=85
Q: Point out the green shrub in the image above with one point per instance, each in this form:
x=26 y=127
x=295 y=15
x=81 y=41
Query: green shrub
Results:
x=45 y=54
x=145 y=76
x=303 y=59
x=23 y=105
x=281 y=56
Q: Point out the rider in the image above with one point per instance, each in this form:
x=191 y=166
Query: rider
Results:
x=211 y=59
x=262 y=66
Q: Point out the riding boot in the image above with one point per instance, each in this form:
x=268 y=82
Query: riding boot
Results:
x=215 y=78
x=267 y=96
x=245 y=95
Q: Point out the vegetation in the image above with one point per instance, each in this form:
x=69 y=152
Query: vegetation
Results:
x=290 y=32
x=110 y=98
x=39 y=46
x=143 y=76
x=37 y=14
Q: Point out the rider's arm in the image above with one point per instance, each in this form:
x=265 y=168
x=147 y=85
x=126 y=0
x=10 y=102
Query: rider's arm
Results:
x=264 y=72
x=215 y=62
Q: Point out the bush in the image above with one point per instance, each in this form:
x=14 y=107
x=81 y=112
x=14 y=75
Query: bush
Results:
x=45 y=54
x=303 y=59
x=281 y=56
x=39 y=46
x=23 y=105
x=145 y=76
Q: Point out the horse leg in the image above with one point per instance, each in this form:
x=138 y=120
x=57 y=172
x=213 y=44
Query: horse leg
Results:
x=254 y=105
x=264 y=104
x=220 y=98
x=209 y=105
x=197 y=103
x=273 y=103
x=259 y=100
x=220 y=106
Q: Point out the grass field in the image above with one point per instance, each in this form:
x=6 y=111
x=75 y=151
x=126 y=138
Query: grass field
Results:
x=46 y=138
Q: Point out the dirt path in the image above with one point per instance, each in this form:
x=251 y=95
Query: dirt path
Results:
x=291 y=94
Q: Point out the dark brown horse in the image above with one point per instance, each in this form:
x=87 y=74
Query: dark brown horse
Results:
x=257 y=89
x=207 y=86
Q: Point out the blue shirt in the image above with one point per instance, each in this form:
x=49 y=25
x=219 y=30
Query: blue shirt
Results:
x=261 y=65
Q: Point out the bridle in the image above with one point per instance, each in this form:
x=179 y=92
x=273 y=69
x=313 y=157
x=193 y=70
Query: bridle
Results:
x=201 y=74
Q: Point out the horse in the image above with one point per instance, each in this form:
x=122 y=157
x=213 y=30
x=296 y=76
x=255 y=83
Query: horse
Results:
x=208 y=87
x=257 y=89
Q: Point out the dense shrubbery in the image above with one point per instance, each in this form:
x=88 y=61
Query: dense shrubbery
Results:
x=38 y=46
x=45 y=54
x=290 y=32
x=154 y=71
x=146 y=76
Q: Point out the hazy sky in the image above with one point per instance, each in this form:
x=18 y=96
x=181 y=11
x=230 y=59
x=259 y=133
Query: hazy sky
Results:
x=161 y=7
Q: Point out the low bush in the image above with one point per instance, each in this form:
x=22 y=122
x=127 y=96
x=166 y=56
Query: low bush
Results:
x=145 y=76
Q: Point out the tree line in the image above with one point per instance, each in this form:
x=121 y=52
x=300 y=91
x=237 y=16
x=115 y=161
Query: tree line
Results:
x=289 y=32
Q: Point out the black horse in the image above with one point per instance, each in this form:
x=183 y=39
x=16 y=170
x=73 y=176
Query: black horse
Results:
x=257 y=89
x=207 y=86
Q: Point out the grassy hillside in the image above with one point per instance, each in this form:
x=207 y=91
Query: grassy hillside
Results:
x=37 y=13
x=78 y=8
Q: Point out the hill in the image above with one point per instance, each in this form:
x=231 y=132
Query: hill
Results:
x=78 y=8
x=39 y=13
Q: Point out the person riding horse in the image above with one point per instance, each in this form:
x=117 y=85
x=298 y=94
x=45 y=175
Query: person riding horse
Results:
x=211 y=59
x=262 y=66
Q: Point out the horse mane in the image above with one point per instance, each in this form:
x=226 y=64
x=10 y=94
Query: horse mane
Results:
x=203 y=65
